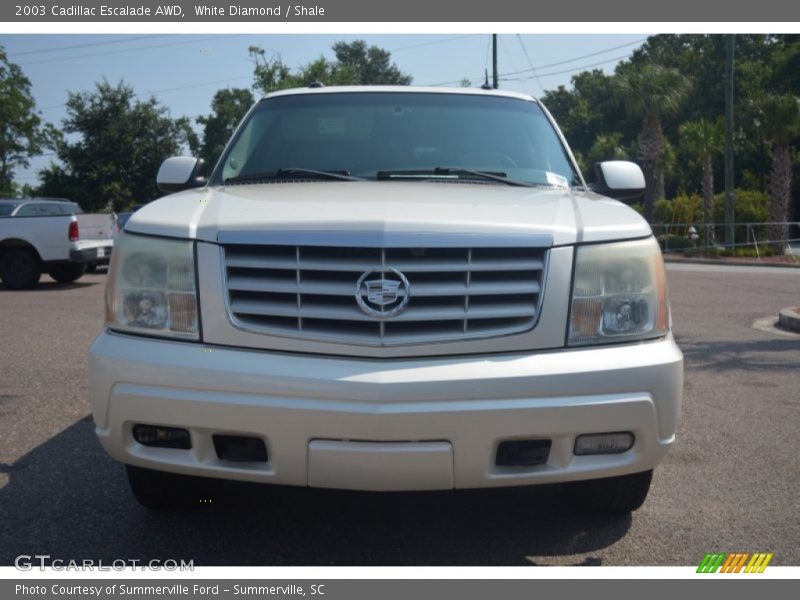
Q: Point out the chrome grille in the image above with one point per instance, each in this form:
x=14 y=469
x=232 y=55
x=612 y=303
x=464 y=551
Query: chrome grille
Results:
x=455 y=294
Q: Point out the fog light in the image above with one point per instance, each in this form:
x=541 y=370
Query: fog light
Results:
x=239 y=448
x=523 y=453
x=162 y=437
x=604 y=443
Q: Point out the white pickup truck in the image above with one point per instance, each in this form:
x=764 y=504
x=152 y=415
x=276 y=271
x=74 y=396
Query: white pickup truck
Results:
x=389 y=288
x=54 y=236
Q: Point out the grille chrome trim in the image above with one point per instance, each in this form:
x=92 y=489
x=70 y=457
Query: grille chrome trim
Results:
x=384 y=239
x=458 y=294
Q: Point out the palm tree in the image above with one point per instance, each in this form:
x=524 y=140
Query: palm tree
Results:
x=780 y=122
x=650 y=92
x=703 y=139
x=608 y=146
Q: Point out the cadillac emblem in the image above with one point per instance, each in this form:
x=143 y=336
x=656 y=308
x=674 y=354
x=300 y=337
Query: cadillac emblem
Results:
x=382 y=292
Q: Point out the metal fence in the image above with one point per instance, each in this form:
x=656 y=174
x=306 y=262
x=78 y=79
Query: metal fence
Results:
x=679 y=237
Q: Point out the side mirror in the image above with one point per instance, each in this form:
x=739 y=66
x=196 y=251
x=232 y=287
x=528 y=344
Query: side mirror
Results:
x=180 y=173
x=619 y=179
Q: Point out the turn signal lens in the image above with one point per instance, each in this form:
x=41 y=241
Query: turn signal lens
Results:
x=603 y=443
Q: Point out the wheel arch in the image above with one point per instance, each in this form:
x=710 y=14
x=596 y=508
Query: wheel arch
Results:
x=19 y=244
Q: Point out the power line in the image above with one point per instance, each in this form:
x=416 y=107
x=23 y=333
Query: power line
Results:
x=512 y=62
x=197 y=85
x=530 y=63
x=562 y=62
x=569 y=60
x=126 y=50
x=87 y=45
x=597 y=64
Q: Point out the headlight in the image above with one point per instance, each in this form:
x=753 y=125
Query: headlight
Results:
x=151 y=287
x=619 y=293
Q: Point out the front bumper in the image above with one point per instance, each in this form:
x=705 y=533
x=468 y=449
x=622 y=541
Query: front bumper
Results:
x=403 y=424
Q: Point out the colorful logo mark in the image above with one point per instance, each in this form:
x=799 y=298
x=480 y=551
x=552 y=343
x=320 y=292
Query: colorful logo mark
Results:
x=735 y=562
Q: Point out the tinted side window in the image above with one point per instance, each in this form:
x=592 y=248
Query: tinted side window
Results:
x=29 y=210
x=49 y=209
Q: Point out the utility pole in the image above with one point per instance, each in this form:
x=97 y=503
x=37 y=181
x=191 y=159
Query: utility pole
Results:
x=729 y=181
x=494 y=61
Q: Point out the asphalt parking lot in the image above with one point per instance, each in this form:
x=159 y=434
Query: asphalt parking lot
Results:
x=731 y=483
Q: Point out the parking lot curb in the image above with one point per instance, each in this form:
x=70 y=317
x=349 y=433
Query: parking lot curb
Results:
x=727 y=263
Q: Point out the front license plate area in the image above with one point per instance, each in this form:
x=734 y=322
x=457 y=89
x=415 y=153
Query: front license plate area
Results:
x=380 y=466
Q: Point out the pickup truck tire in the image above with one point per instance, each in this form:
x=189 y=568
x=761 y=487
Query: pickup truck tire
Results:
x=158 y=490
x=612 y=495
x=67 y=273
x=19 y=269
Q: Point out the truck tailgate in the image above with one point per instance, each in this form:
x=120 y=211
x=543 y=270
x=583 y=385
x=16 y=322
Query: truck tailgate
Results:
x=97 y=226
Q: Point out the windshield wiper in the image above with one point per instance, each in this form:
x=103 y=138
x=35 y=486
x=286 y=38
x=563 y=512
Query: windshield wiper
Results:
x=289 y=172
x=451 y=172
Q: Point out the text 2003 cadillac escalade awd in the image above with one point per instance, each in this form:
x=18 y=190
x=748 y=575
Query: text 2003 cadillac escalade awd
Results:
x=389 y=288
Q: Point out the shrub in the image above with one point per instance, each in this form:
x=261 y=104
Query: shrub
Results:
x=671 y=241
x=681 y=209
x=662 y=211
x=749 y=251
x=748 y=207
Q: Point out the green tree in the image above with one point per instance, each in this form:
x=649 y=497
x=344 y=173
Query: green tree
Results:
x=780 y=122
x=355 y=64
x=370 y=65
x=703 y=139
x=113 y=147
x=608 y=146
x=228 y=107
x=594 y=105
x=764 y=64
x=650 y=92
x=591 y=109
x=787 y=71
x=20 y=126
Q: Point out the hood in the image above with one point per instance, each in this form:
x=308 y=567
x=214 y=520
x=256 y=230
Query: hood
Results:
x=385 y=209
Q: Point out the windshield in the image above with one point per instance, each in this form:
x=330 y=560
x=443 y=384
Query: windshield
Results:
x=399 y=136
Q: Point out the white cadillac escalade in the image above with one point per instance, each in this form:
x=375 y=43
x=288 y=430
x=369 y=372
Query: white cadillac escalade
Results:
x=389 y=288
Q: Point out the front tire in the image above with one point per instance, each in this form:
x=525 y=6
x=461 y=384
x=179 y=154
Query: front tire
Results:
x=67 y=273
x=612 y=495
x=19 y=269
x=158 y=490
